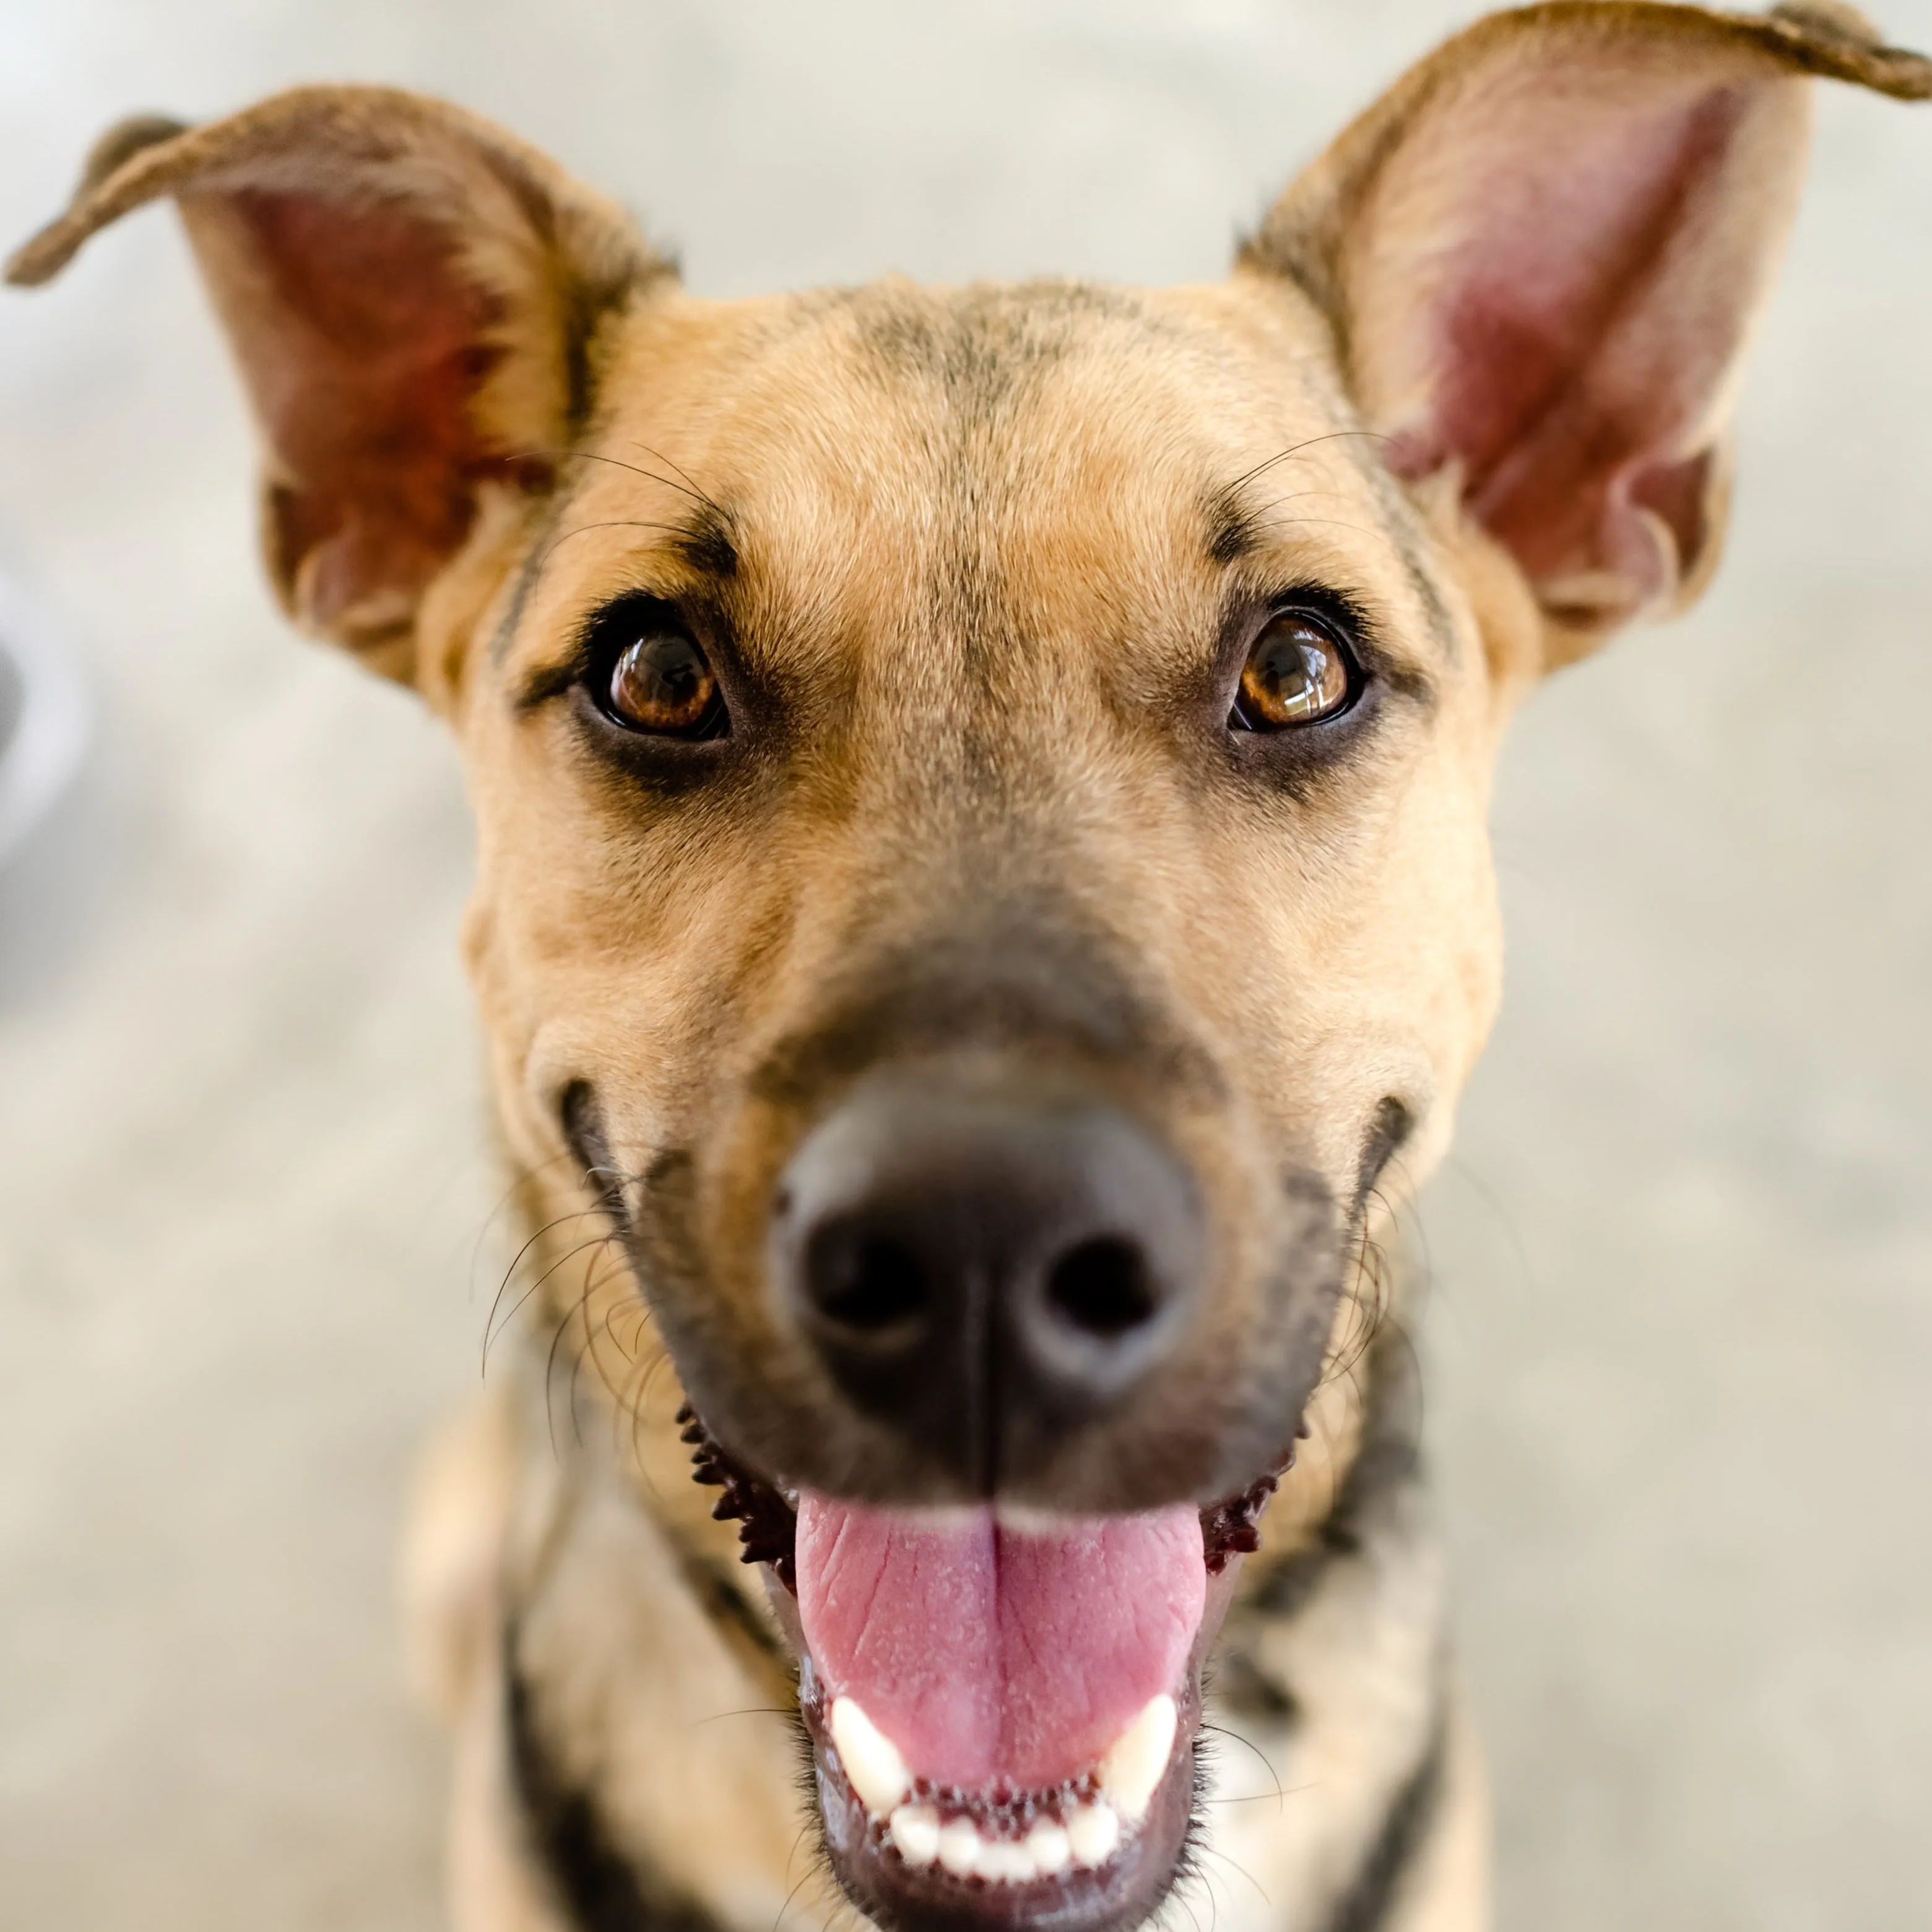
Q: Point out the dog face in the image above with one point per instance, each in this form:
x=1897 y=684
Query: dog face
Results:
x=988 y=830
x=981 y=797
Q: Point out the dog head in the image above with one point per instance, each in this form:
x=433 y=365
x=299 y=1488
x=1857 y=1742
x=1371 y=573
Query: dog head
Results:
x=981 y=799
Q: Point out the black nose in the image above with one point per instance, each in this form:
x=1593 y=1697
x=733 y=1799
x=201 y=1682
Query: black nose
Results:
x=987 y=1271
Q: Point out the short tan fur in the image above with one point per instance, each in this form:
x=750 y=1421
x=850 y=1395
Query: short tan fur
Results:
x=976 y=566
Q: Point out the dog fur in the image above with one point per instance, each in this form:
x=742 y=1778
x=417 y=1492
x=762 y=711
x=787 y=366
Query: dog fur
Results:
x=979 y=552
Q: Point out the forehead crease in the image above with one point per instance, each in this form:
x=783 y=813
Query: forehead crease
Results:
x=986 y=341
x=969 y=412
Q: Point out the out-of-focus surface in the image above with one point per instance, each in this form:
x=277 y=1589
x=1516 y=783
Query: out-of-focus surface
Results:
x=1684 y=1328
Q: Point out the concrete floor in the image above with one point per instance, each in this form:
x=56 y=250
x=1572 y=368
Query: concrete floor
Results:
x=1683 y=1335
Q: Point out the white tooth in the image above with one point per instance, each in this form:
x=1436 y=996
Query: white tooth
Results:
x=915 y=1831
x=959 y=1848
x=1137 y=1759
x=1092 y=1832
x=871 y=1760
x=1047 y=1842
x=1005 y=1863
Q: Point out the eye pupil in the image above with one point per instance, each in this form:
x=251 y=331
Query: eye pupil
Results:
x=1296 y=674
x=664 y=683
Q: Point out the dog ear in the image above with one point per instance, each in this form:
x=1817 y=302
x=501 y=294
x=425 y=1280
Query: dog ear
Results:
x=1542 y=252
x=413 y=297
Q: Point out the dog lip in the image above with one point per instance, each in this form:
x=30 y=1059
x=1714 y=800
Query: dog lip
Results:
x=1105 y=1848
x=766 y=1510
x=1116 y=1881
x=964 y=1860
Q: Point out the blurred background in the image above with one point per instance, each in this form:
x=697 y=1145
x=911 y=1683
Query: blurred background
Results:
x=1681 y=1332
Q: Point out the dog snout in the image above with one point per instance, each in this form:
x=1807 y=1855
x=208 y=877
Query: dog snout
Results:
x=986 y=1272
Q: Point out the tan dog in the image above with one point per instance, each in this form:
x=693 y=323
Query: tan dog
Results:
x=982 y=796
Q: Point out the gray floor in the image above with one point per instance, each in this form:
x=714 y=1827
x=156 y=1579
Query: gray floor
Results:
x=1683 y=1334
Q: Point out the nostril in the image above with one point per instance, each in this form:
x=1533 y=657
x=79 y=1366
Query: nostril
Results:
x=869 y=1285
x=1102 y=1287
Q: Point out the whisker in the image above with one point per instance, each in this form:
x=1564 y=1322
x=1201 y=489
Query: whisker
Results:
x=1262 y=1797
x=657 y=456
x=1223 y=1731
x=1294 y=450
x=549 y=1368
x=794 y=1891
x=1315 y=522
x=1206 y=1851
x=569 y=1254
x=523 y=1177
x=1300 y=497
x=687 y=487
x=614 y=523
x=490 y=1327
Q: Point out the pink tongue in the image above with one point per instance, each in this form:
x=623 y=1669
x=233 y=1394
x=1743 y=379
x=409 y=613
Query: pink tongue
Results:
x=993 y=1655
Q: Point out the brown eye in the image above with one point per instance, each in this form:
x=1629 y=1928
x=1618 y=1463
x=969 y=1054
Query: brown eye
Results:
x=663 y=682
x=1297 y=673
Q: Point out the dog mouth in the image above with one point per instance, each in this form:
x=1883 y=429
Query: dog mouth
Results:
x=1002 y=1704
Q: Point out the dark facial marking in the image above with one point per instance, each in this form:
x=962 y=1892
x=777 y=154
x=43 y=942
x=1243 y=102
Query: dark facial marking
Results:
x=1388 y=1134
x=1400 y=522
x=582 y=1120
x=704 y=545
x=702 y=542
x=985 y=341
x=1023 y=980
x=1387 y=1464
x=1369 y=1905
x=1233 y=531
x=528 y=572
x=601 y=1889
x=1238 y=526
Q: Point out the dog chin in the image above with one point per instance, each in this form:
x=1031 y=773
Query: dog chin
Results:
x=1002 y=1706
x=1098 y=1848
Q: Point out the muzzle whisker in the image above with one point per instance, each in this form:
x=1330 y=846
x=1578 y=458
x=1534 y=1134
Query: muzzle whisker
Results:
x=494 y=1330
x=522 y=1179
x=1223 y=1731
x=491 y=1329
x=597 y=1274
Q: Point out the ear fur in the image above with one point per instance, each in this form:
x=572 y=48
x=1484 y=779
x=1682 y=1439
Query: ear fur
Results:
x=413 y=297
x=1542 y=252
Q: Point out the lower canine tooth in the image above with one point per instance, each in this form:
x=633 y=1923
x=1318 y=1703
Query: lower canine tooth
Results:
x=872 y=1763
x=958 y=1848
x=1047 y=1843
x=1092 y=1833
x=915 y=1831
x=1137 y=1759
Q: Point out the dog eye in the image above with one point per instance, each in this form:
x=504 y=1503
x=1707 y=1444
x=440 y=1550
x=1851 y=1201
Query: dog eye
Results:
x=1298 y=673
x=663 y=683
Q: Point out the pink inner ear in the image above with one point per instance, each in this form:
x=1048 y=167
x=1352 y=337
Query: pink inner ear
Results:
x=364 y=348
x=1573 y=349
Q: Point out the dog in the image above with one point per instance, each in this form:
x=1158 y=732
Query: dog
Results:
x=984 y=912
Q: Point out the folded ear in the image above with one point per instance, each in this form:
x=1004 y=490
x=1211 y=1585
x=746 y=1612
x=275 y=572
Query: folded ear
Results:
x=414 y=297
x=1542 y=252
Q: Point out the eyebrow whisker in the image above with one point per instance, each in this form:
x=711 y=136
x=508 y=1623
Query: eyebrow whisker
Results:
x=616 y=524
x=686 y=488
x=1295 y=449
x=657 y=456
x=1324 y=523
